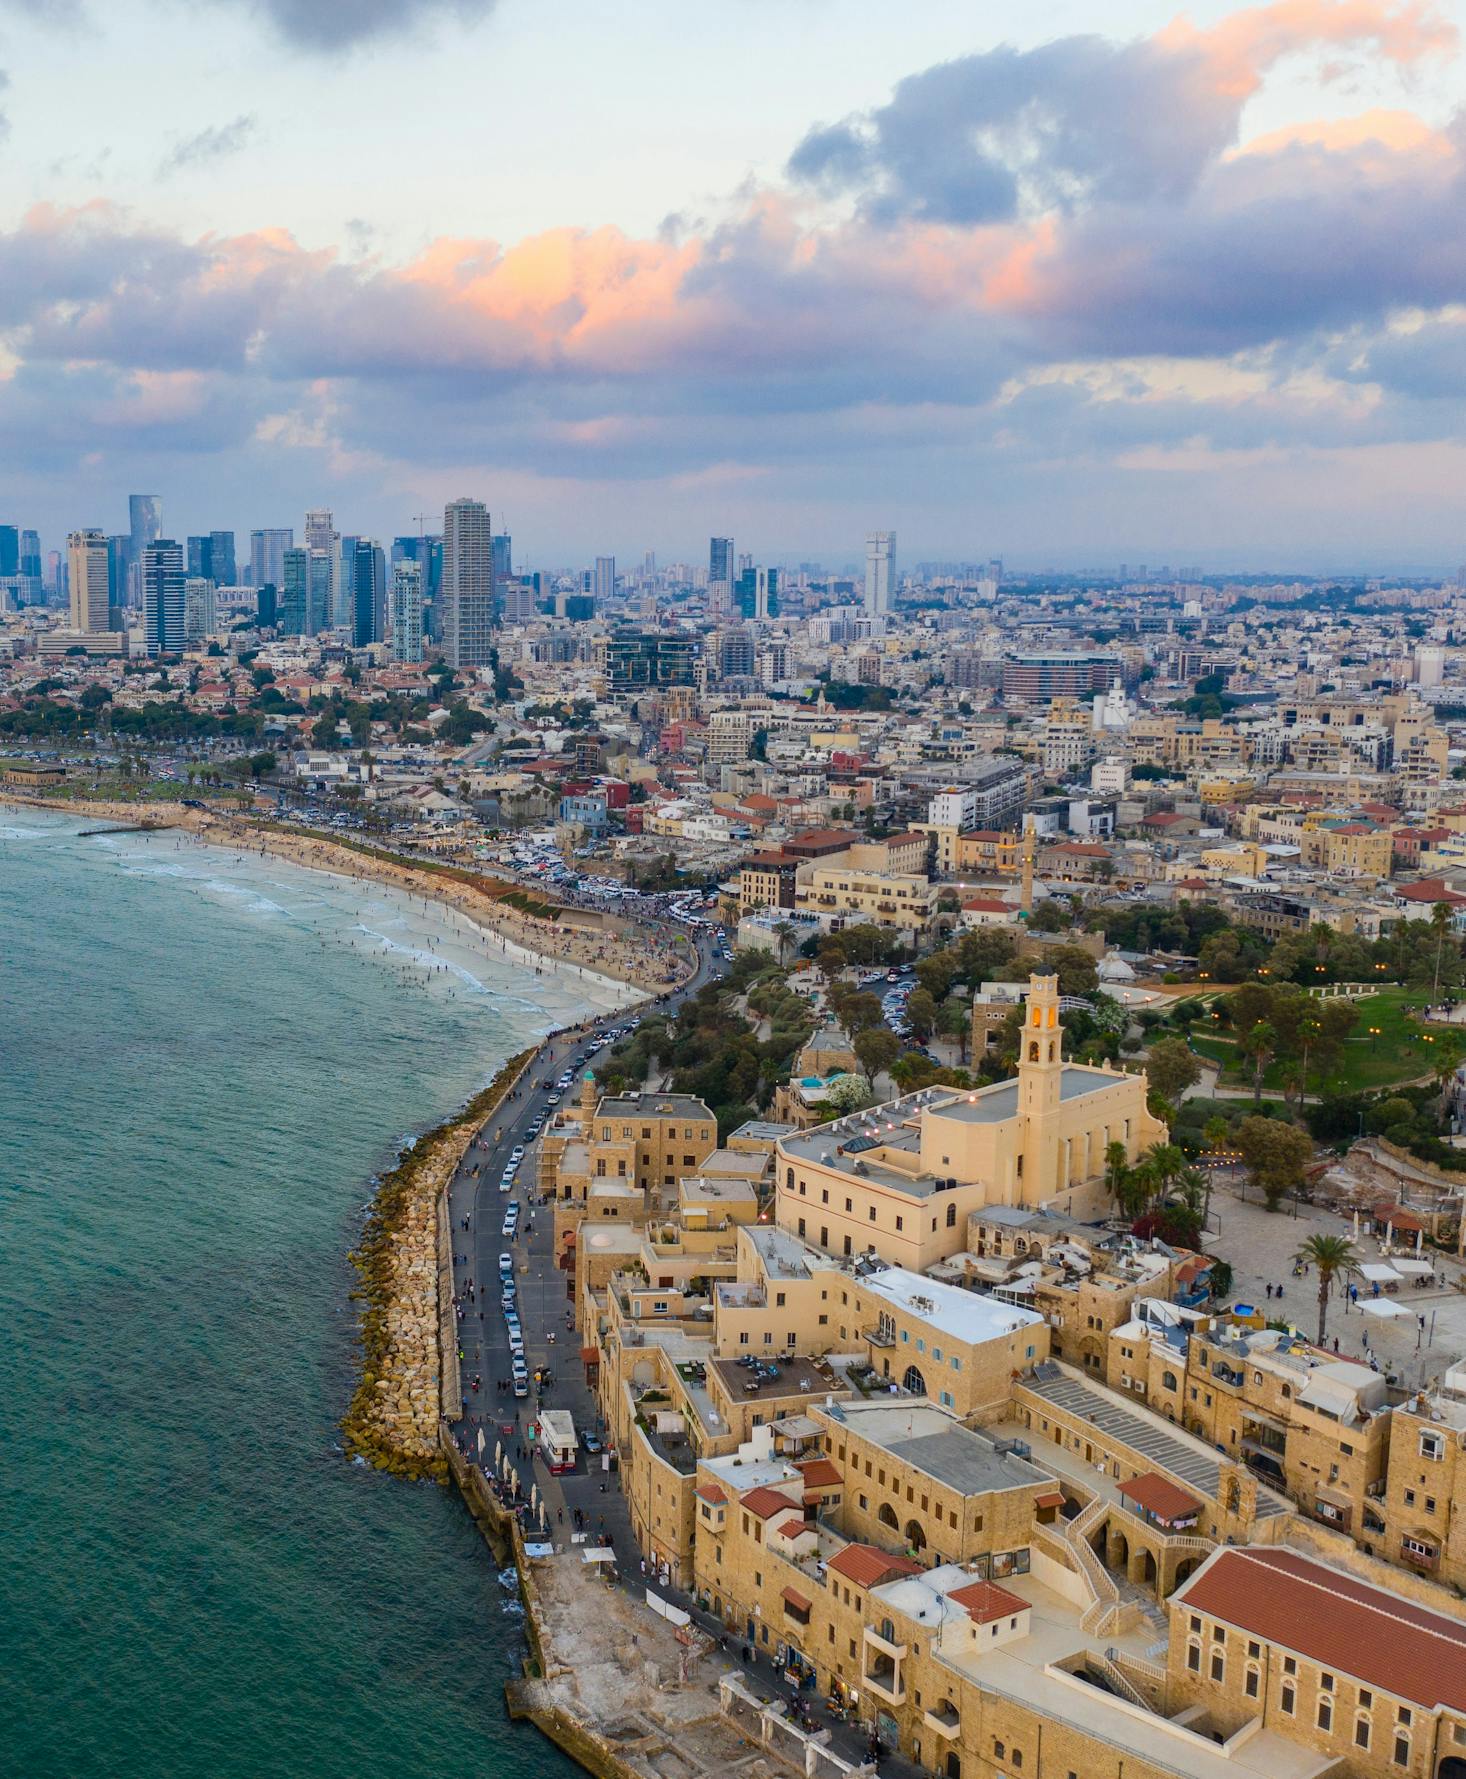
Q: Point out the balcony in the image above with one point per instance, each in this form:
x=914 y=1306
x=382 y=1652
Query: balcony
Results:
x=895 y=1652
x=884 y=1678
x=878 y=1337
x=944 y=1720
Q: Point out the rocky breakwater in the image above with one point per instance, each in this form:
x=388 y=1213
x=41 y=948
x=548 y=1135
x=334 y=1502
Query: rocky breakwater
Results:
x=392 y=1421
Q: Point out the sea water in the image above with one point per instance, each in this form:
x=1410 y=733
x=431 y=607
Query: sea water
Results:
x=204 y=1057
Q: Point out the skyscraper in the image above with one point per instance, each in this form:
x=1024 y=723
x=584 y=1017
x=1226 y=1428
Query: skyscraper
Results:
x=720 y=559
x=9 y=551
x=880 y=562
x=758 y=594
x=144 y=521
x=267 y=555
x=368 y=587
x=322 y=537
x=294 y=592
x=468 y=584
x=199 y=610
x=162 y=589
x=199 y=556
x=604 y=586
x=320 y=605
x=407 y=611
x=30 y=567
x=503 y=557
x=221 y=558
x=86 y=569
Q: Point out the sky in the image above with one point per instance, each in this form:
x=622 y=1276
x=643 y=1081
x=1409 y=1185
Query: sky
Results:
x=1070 y=285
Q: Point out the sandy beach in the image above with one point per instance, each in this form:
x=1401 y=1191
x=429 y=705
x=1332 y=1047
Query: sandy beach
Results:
x=616 y=960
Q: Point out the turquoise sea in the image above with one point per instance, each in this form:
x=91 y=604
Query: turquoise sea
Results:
x=203 y=1060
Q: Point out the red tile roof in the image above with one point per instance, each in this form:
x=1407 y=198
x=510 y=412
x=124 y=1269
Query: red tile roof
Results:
x=796 y=1600
x=711 y=1492
x=1330 y=1618
x=986 y=1601
x=792 y=1527
x=765 y=1502
x=1428 y=889
x=868 y=1566
x=1157 y=1495
x=820 y=1473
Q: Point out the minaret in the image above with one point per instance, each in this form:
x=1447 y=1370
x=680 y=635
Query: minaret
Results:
x=588 y=1098
x=1027 y=903
x=1040 y=1082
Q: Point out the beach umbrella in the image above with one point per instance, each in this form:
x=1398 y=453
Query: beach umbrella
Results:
x=498 y=1451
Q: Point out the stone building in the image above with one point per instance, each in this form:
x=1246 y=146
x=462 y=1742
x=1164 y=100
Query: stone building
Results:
x=901 y=1180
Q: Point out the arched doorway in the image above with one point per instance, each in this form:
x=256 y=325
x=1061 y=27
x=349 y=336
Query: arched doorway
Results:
x=1187 y=1565
x=1148 y=1569
x=914 y=1381
x=1452 y=1767
x=915 y=1536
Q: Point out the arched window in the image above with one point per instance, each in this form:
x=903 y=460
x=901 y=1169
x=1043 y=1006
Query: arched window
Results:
x=887 y=1631
x=951 y=1216
x=887 y=1515
x=1168 y=1380
x=915 y=1535
x=1051 y=1050
x=789 y=1179
x=914 y=1381
x=1033 y=1052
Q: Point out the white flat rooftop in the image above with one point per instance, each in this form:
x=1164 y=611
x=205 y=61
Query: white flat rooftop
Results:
x=965 y=1315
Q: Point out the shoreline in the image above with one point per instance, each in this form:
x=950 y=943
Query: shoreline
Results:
x=619 y=966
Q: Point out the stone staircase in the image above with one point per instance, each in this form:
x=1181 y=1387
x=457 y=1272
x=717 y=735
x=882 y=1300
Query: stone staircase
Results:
x=1139 y=1434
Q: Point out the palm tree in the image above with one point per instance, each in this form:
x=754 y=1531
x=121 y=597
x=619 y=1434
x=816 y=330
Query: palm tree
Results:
x=1117 y=1171
x=785 y=935
x=1440 y=919
x=1332 y=1255
x=1214 y=1132
x=1260 y=1044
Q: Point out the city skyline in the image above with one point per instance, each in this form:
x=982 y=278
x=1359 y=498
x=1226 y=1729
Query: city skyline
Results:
x=1143 y=286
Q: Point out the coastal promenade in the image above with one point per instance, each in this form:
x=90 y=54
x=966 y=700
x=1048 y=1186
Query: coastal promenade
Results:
x=624 y=1685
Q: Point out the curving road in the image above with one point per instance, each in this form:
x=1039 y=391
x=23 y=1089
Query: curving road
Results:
x=542 y=1298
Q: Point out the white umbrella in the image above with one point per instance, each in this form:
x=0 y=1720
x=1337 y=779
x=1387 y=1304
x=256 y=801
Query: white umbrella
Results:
x=498 y=1448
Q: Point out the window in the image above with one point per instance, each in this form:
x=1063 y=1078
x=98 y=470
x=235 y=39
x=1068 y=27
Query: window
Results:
x=1325 y=1714
x=1410 y=1497
x=872 y=1213
x=1432 y=1445
x=1193 y=1657
x=1361 y=1732
x=956 y=1363
x=743 y=1338
x=1250 y=1685
x=1286 y=1699
x=1366 y=1698
x=951 y=1216
x=1218 y=1664
x=801 y=1226
x=900 y=1223
x=1402 y=1751
x=778 y=1300
x=1326 y=1681
x=1290 y=1665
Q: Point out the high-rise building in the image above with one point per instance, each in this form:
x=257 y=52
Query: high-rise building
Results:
x=467 y=623
x=320 y=608
x=9 y=551
x=503 y=557
x=144 y=521
x=200 y=612
x=407 y=611
x=758 y=594
x=162 y=584
x=426 y=549
x=267 y=555
x=322 y=538
x=368 y=589
x=604 y=586
x=880 y=563
x=119 y=559
x=720 y=559
x=294 y=592
x=221 y=558
x=30 y=567
x=86 y=573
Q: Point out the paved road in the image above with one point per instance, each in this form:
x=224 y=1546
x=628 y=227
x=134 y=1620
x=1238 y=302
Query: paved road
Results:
x=543 y=1298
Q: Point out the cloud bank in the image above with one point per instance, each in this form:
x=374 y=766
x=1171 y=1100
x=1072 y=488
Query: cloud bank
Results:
x=1067 y=262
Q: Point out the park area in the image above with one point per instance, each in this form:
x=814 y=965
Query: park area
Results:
x=1390 y=1044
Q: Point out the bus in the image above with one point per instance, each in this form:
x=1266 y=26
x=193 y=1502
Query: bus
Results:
x=556 y=1434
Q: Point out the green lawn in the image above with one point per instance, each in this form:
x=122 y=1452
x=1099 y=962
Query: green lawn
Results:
x=1404 y=1048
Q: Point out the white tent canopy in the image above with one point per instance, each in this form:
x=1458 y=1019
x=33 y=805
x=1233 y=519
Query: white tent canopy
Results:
x=1414 y=1269
x=1380 y=1274
x=1383 y=1308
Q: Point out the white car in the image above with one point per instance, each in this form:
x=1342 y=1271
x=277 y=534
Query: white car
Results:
x=506 y=1263
x=517 y=1153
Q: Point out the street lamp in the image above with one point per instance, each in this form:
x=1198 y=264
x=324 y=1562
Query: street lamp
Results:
x=1373 y=1035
